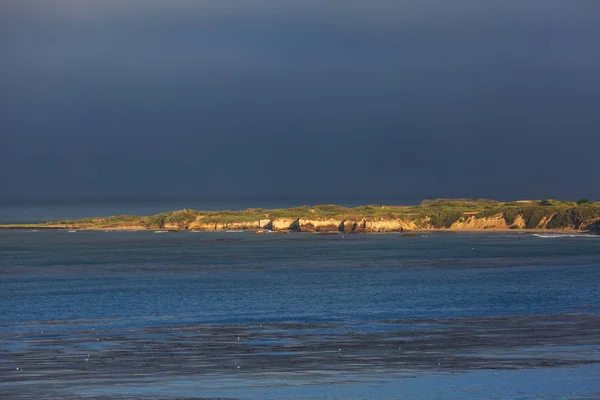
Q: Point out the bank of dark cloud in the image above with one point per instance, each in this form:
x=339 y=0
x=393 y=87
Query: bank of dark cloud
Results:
x=265 y=100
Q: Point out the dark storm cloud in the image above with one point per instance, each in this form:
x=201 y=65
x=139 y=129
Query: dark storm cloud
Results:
x=229 y=99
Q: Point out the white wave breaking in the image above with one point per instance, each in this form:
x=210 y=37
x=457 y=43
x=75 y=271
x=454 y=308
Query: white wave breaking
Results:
x=564 y=235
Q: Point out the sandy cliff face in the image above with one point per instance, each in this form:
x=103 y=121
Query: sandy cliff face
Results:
x=544 y=222
x=283 y=224
x=387 y=225
x=472 y=222
x=519 y=222
x=200 y=225
x=319 y=225
x=353 y=226
x=171 y=226
x=237 y=226
x=350 y=226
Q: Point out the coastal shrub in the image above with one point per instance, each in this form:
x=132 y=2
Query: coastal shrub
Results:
x=595 y=228
x=488 y=202
x=294 y=212
x=511 y=214
x=412 y=217
x=255 y=211
x=374 y=211
x=445 y=218
x=467 y=203
x=82 y=221
x=377 y=212
x=582 y=201
x=563 y=219
x=329 y=210
x=575 y=216
x=533 y=212
x=154 y=221
x=232 y=217
x=534 y=215
x=180 y=217
x=122 y=218
x=489 y=212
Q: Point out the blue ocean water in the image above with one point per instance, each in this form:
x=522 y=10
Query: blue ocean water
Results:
x=133 y=280
x=139 y=277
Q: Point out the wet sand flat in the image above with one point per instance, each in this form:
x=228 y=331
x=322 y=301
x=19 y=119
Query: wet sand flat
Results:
x=51 y=358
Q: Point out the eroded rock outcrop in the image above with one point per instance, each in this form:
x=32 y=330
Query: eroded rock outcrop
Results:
x=201 y=225
x=518 y=223
x=237 y=226
x=473 y=222
x=594 y=228
x=351 y=226
x=284 y=224
x=319 y=225
x=544 y=221
x=387 y=225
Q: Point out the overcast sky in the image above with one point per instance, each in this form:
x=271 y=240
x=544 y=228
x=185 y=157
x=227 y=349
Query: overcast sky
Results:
x=374 y=100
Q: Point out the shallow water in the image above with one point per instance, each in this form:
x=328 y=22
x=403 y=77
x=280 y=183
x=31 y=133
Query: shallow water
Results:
x=572 y=383
x=475 y=314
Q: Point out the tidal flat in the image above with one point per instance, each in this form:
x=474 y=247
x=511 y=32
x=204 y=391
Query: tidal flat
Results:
x=91 y=359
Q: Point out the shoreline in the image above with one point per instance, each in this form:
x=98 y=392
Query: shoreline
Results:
x=565 y=231
x=443 y=215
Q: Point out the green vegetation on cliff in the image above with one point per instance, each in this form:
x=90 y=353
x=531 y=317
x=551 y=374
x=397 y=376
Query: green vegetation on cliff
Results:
x=179 y=219
x=430 y=214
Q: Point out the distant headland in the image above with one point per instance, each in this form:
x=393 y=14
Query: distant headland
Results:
x=439 y=214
